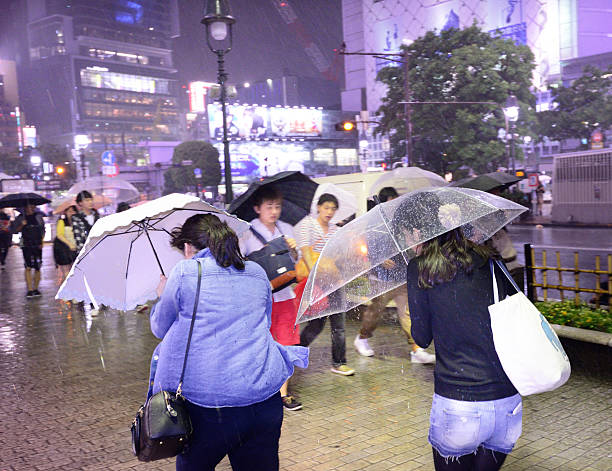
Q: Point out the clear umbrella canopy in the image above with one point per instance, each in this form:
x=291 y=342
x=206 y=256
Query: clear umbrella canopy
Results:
x=347 y=202
x=407 y=179
x=114 y=188
x=369 y=256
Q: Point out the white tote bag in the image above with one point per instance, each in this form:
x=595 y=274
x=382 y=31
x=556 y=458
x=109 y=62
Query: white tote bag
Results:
x=528 y=348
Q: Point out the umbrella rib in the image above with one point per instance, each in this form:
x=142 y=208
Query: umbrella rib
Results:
x=100 y=241
x=384 y=218
x=153 y=248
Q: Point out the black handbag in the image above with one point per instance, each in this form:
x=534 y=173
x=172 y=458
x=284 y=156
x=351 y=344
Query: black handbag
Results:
x=275 y=259
x=162 y=427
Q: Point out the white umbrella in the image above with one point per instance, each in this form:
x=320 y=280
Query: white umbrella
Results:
x=114 y=188
x=347 y=202
x=120 y=263
x=407 y=179
x=369 y=256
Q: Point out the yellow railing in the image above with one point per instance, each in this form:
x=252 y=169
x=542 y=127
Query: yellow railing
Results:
x=531 y=269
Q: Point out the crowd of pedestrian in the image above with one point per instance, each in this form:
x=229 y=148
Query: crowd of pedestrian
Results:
x=236 y=402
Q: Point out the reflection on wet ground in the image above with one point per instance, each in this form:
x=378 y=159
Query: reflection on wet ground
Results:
x=71 y=384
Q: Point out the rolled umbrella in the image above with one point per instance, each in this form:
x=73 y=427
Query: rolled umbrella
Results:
x=20 y=200
x=125 y=253
x=297 y=189
x=369 y=256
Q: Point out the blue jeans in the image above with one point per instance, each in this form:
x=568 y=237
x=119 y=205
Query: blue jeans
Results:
x=460 y=427
x=248 y=435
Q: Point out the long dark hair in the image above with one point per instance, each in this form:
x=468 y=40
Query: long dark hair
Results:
x=440 y=258
x=208 y=231
x=68 y=219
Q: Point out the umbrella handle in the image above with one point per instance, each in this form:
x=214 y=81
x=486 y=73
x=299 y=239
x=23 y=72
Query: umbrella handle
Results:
x=154 y=252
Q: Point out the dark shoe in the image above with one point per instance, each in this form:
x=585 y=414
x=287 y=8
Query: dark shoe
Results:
x=36 y=293
x=290 y=403
x=30 y=294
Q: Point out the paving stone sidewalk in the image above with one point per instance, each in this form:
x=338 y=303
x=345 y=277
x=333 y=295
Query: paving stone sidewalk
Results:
x=71 y=384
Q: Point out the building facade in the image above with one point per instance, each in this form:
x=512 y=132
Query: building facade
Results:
x=557 y=31
x=103 y=69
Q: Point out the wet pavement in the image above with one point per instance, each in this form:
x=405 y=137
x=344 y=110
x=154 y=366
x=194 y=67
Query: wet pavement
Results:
x=71 y=385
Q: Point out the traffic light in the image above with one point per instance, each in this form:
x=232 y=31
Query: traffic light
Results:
x=345 y=126
x=520 y=173
x=60 y=170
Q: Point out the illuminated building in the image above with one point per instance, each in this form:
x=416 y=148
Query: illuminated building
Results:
x=103 y=69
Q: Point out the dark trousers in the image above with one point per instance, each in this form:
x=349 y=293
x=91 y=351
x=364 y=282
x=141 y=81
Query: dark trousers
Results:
x=314 y=328
x=5 y=244
x=248 y=435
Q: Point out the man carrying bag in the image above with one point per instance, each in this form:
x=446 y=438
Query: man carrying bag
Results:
x=266 y=231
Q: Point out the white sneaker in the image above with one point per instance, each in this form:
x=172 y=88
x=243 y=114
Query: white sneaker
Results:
x=421 y=356
x=363 y=347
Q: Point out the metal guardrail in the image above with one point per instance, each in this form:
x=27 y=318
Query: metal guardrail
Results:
x=532 y=283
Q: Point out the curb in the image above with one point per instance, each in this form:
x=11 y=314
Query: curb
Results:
x=583 y=335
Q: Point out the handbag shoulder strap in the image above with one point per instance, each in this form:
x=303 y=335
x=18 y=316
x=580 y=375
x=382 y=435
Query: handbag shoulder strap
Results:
x=193 y=316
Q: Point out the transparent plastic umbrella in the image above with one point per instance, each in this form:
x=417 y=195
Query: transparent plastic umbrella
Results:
x=369 y=256
x=407 y=179
x=114 y=188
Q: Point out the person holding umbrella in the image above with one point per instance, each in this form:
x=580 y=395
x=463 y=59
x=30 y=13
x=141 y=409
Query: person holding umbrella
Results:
x=268 y=204
x=369 y=322
x=5 y=236
x=235 y=368
x=64 y=246
x=313 y=234
x=476 y=412
x=83 y=221
x=31 y=224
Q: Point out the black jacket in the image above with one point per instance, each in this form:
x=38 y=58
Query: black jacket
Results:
x=455 y=316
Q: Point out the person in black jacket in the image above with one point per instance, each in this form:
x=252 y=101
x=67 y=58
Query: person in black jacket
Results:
x=476 y=413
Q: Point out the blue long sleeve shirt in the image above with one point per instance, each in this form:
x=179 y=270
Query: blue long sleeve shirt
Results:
x=233 y=359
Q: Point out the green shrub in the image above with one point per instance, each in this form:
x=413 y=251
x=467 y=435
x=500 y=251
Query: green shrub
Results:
x=582 y=315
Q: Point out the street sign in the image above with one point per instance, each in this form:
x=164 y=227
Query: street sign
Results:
x=533 y=180
x=110 y=170
x=197 y=172
x=108 y=157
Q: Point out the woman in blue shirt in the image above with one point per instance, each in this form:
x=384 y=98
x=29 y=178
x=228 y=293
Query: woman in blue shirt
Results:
x=235 y=368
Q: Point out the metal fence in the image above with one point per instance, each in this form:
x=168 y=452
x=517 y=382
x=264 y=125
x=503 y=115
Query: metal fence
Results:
x=542 y=277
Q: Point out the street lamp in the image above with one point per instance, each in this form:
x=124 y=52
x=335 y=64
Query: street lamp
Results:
x=511 y=112
x=218 y=20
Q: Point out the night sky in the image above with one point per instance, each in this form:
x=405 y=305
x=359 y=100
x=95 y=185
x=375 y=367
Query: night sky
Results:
x=264 y=45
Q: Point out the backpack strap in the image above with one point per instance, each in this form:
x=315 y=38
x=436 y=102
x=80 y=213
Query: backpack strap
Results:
x=259 y=237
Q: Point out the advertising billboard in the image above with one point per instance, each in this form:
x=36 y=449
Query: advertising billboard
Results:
x=299 y=122
x=246 y=121
x=197 y=96
x=255 y=122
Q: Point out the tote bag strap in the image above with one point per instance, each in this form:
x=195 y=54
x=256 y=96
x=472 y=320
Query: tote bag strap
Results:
x=193 y=316
x=503 y=268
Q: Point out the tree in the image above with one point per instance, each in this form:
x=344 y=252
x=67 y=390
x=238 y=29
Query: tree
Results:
x=59 y=156
x=581 y=108
x=456 y=65
x=203 y=156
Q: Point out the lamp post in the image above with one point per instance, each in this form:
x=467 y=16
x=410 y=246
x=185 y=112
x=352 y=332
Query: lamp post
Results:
x=218 y=20
x=511 y=112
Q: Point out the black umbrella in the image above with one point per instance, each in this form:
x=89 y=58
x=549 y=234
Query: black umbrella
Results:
x=488 y=181
x=21 y=200
x=297 y=190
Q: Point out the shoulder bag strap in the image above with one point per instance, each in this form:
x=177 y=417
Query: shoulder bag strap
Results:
x=259 y=237
x=503 y=268
x=193 y=316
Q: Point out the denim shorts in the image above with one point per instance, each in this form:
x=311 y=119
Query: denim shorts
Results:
x=460 y=427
